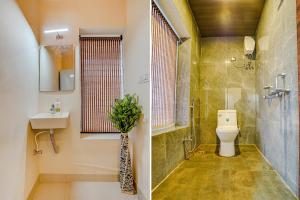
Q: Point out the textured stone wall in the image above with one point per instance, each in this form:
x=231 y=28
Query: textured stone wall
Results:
x=298 y=45
x=167 y=153
x=188 y=71
x=226 y=85
x=167 y=147
x=278 y=119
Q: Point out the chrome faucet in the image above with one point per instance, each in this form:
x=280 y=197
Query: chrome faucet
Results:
x=52 y=109
x=277 y=92
x=281 y=75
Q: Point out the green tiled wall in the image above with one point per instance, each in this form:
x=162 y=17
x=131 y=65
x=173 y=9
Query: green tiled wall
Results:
x=167 y=148
x=167 y=153
x=218 y=75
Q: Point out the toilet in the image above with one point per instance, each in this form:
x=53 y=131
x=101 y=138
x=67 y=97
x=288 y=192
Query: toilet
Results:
x=227 y=130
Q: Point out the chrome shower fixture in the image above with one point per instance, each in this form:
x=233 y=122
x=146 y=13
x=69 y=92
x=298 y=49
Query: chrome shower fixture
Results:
x=247 y=65
x=282 y=75
x=278 y=91
x=191 y=139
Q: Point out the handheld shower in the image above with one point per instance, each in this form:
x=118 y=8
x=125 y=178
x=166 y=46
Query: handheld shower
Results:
x=192 y=138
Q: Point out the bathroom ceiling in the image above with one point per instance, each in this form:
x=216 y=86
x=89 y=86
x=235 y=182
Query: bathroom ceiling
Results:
x=227 y=17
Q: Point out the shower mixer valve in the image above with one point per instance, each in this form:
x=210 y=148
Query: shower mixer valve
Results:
x=278 y=91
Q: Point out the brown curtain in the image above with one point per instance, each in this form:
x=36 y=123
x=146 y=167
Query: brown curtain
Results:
x=100 y=81
x=163 y=70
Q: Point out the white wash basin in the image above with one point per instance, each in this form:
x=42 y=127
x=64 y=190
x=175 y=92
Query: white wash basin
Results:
x=50 y=121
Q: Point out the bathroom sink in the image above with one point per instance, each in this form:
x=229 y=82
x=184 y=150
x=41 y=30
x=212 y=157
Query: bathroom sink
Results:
x=49 y=121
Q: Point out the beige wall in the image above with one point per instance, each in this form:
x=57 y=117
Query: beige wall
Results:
x=88 y=155
x=78 y=156
x=19 y=100
x=31 y=11
x=98 y=156
x=137 y=65
x=101 y=16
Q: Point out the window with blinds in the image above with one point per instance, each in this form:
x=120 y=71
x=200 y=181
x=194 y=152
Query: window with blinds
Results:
x=101 y=82
x=163 y=71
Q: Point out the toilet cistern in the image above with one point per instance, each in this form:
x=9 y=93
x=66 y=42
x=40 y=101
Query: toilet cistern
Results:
x=227 y=130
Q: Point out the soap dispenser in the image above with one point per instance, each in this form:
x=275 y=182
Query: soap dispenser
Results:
x=57 y=105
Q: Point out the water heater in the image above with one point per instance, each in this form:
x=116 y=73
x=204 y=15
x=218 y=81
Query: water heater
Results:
x=249 y=45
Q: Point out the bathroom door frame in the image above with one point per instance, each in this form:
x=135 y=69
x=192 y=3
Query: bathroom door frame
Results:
x=298 y=57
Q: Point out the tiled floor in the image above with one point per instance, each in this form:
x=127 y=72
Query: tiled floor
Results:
x=206 y=176
x=80 y=191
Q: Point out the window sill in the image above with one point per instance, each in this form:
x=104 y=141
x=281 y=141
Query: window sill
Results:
x=166 y=130
x=100 y=136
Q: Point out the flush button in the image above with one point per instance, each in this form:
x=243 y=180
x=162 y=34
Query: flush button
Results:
x=227 y=119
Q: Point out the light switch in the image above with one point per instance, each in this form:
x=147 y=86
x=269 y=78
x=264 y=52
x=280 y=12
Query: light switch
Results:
x=144 y=79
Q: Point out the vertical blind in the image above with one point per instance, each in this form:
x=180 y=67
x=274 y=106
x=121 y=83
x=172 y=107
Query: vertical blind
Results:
x=100 y=81
x=163 y=70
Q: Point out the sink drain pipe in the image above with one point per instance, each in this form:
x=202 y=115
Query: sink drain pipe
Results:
x=52 y=138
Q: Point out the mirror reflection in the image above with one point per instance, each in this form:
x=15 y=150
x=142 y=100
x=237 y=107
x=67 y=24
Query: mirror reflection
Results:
x=57 y=68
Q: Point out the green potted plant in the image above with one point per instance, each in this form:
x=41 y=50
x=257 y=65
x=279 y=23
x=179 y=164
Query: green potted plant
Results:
x=124 y=115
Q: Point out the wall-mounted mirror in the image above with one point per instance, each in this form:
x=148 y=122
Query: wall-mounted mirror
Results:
x=57 y=68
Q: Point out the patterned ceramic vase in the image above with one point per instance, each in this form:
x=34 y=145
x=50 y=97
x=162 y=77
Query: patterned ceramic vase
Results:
x=126 y=174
